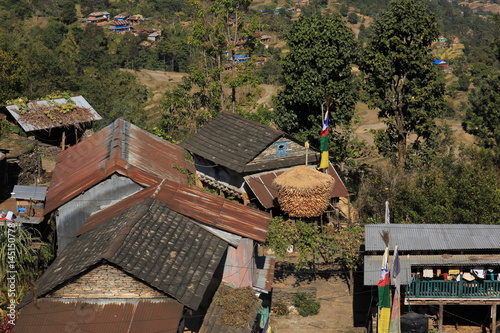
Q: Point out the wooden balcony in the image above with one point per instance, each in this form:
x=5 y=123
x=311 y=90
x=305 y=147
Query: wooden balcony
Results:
x=453 y=289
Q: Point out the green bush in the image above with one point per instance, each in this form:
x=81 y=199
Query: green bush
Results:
x=305 y=305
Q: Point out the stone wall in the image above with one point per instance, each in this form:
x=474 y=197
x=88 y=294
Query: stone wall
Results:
x=106 y=281
x=286 y=295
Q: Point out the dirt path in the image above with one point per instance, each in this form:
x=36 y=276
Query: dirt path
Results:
x=268 y=91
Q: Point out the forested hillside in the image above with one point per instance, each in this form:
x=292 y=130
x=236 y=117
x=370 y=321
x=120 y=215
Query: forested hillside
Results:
x=320 y=55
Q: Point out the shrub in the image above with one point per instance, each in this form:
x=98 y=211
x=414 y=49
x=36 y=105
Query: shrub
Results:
x=305 y=305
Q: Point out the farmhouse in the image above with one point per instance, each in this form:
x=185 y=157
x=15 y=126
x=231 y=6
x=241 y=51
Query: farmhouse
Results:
x=241 y=158
x=112 y=164
x=441 y=264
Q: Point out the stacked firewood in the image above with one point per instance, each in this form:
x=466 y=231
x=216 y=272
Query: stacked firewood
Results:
x=303 y=191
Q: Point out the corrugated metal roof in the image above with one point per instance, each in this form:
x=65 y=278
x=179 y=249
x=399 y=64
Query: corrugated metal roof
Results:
x=149 y=241
x=121 y=148
x=264 y=275
x=429 y=237
x=43 y=122
x=36 y=193
x=262 y=186
x=373 y=264
x=215 y=211
x=199 y=205
x=132 y=316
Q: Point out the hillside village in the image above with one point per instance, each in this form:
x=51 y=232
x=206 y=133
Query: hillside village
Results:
x=250 y=166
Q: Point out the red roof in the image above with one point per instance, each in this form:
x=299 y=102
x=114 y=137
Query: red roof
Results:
x=199 y=205
x=262 y=186
x=135 y=316
x=121 y=148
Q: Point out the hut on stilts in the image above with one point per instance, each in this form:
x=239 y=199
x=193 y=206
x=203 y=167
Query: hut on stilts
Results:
x=304 y=191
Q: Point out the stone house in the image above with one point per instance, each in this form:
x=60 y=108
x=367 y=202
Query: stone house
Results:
x=163 y=249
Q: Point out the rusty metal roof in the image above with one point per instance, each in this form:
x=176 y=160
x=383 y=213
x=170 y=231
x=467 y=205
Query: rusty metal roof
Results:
x=43 y=122
x=201 y=206
x=262 y=186
x=151 y=242
x=130 y=316
x=121 y=148
x=215 y=211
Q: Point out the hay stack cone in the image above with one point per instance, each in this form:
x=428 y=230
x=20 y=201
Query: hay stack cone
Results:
x=304 y=191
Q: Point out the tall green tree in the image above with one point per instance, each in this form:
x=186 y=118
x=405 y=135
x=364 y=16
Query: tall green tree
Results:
x=455 y=189
x=482 y=112
x=317 y=74
x=400 y=77
x=482 y=109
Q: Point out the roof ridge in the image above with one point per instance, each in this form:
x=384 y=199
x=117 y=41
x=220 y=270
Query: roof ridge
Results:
x=125 y=230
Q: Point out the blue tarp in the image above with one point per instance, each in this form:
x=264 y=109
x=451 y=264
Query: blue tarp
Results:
x=439 y=62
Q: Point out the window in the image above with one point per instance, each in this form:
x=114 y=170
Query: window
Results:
x=281 y=148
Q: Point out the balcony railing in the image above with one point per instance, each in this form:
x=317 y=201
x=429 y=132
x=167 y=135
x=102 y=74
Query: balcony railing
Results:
x=453 y=289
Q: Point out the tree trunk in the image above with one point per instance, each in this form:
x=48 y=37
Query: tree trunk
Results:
x=402 y=150
x=350 y=281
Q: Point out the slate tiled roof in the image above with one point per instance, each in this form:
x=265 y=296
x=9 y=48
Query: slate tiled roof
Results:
x=201 y=206
x=164 y=249
x=231 y=141
x=131 y=316
x=121 y=148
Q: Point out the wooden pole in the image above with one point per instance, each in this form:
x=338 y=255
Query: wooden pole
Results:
x=493 y=318
x=63 y=141
x=307 y=152
x=440 y=321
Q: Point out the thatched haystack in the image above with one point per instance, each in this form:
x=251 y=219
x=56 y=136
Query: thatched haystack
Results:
x=304 y=191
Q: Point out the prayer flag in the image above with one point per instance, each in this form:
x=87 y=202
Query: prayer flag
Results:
x=323 y=144
x=395 y=325
x=384 y=295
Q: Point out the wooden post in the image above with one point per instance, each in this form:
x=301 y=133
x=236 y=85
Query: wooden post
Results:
x=245 y=198
x=493 y=318
x=307 y=152
x=63 y=140
x=198 y=181
x=440 y=320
